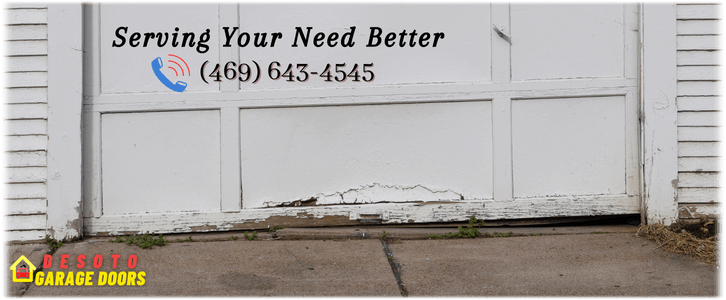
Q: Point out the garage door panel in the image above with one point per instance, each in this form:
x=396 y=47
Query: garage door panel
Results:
x=521 y=111
x=366 y=154
x=468 y=47
x=160 y=162
x=555 y=41
x=568 y=146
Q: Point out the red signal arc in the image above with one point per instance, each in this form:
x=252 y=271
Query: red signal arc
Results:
x=185 y=64
x=180 y=67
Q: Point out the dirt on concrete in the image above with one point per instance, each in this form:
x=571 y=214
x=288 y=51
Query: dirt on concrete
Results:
x=703 y=228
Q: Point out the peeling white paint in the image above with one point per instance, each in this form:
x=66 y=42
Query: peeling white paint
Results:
x=376 y=192
x=390 y=213
x=424 y=146
x=366 y=153
x=385 y=193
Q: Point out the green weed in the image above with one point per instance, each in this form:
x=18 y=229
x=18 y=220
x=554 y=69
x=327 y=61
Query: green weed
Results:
x=471 y=231
x=232 y=238
x=449 y=235
x=251 y=236
x=145 y=241
x=464 y=232
x=275 y=228
x=498 y=234
x=53 y=243
x=189 y=239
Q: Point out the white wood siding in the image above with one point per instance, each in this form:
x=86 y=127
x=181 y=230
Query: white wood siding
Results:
x=26 y=34
x=698 y=110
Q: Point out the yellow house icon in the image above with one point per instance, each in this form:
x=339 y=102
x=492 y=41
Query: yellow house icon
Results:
x=22 y=270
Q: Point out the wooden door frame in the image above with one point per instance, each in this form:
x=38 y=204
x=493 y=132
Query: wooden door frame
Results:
x=658 y=118
x=65 y=102
x=658 y=155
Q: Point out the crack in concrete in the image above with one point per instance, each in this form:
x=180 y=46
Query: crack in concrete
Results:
x=395 y=267
x=50 y=252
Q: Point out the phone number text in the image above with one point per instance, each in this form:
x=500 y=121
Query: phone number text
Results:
x=253 y=72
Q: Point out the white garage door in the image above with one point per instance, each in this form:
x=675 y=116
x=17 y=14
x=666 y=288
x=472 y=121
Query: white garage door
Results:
x=427 y=113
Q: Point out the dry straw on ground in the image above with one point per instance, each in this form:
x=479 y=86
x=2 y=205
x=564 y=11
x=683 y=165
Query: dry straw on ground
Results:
x=681 y=242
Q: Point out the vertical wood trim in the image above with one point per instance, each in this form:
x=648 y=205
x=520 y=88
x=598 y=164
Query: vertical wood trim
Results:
x=92 y=47
x=228 y=17
x=92 y=195
x=632 y=149
x=631 y=36
x=65 y=100
x=502 y=148
x=659 y=118
x=501 y=107
x=230 y=160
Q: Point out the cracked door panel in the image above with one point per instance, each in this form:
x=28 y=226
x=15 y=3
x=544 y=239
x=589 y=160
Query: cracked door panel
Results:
x=521 y=112
x=366 y=154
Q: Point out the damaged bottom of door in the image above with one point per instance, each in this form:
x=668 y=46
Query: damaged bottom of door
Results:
x=375 y=193
x=341 y=215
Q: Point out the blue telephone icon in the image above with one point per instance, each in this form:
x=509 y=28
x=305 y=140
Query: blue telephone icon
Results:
x=156 y=65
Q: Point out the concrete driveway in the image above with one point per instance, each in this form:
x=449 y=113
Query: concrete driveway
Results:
x=353 y=261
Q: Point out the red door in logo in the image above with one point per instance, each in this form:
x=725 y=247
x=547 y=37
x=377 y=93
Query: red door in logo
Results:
x=22 y=273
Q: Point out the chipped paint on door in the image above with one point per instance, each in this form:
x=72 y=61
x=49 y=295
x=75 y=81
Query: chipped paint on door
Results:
x=536 y=119
x=366 y=154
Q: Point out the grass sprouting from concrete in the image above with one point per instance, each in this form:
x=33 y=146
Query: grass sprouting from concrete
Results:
x=53 y=243
x=189 y=239
x=470 y=231
x=251 y=236
x=145 y=241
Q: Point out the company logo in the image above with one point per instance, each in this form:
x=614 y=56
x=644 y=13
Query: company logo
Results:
x=158 y=63
x=86 y=276
x=22 y=270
